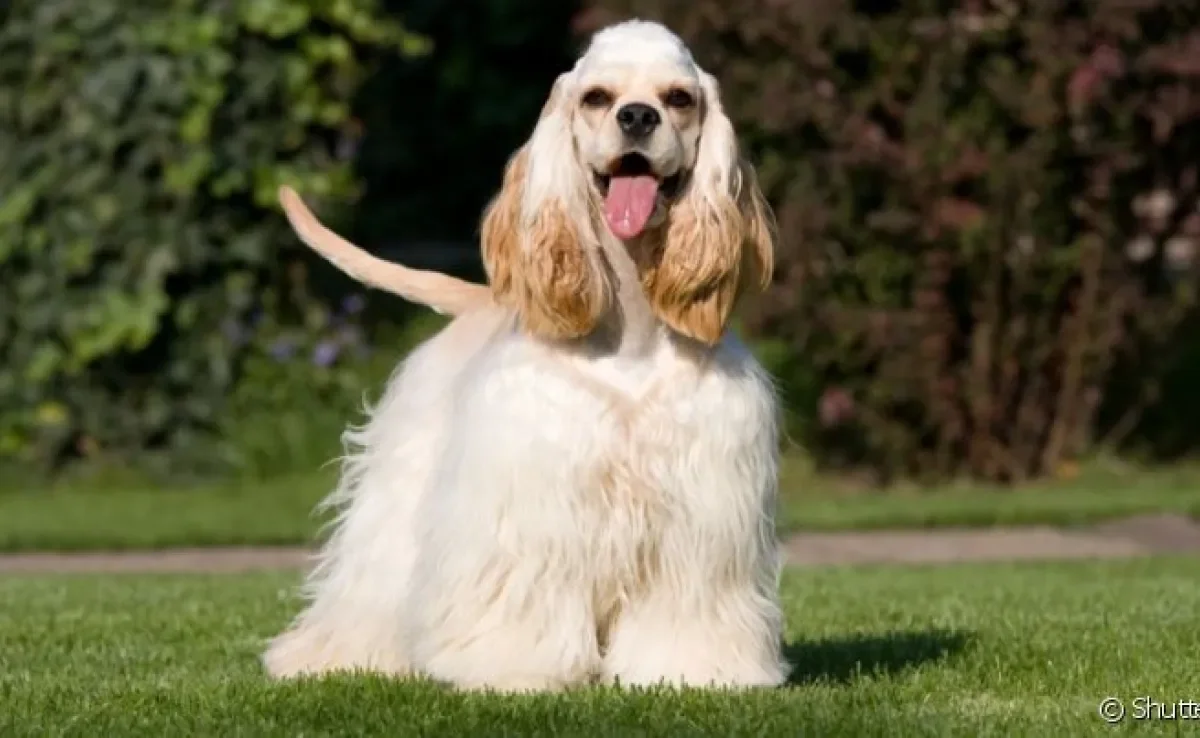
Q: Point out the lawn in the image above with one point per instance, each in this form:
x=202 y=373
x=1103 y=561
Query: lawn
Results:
x=1027 y=649
x=138 y=515
x=1101 y=491
x=87 y=516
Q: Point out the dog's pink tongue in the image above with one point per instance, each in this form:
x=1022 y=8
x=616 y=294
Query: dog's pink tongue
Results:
x=629 y=205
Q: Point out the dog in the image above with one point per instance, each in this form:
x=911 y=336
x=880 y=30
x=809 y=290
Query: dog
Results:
x=575 y=480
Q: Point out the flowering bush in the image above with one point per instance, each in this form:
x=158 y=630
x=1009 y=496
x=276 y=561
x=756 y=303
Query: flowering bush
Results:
x=989 y=211
x=301 y=385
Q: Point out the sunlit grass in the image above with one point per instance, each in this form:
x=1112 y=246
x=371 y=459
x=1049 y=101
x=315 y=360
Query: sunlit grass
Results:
x=1027 y=649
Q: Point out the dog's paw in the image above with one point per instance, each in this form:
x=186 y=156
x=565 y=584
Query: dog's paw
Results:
x=296 y=653
x=304 y=652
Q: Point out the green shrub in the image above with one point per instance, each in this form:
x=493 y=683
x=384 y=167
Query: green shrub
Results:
x=989 y=211
x=299 y=390
x=141 y=145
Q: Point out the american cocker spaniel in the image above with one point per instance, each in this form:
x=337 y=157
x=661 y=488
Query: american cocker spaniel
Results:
x=575 y=480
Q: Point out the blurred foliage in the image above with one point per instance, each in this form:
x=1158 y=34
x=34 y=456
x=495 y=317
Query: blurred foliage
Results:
x=989 y=211
x=439 y=129
x=296 y=395
x=141 y=147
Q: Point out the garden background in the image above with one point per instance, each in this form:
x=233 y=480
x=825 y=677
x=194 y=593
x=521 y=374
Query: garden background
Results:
x=984 y=307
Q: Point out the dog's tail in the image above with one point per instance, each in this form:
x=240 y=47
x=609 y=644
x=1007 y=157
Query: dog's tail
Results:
x=441 y=292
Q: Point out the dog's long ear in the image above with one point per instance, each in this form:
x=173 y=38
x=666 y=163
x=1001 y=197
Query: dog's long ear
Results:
x=539 y=247
x=720 y=238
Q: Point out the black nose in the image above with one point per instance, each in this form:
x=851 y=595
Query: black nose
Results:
x=638 y=120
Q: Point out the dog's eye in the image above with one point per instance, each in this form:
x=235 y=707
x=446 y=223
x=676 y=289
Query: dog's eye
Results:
x=678 y=98
x=597 y=98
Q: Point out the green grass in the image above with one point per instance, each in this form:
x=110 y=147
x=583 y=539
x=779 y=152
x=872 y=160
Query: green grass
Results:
x=1028 y=649
x=132 y=516
x=127 y=514
x=1103 y=490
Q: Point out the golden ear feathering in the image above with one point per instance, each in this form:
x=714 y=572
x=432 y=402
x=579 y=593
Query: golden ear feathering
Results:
x=540 y=267
x=538 y=248
x=720 y=239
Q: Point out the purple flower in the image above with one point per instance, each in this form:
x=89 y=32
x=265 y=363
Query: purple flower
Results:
x=326 y=353
x=354 y=304
x=283 y=349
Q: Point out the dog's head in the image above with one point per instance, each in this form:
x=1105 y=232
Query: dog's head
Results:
x=632 y=145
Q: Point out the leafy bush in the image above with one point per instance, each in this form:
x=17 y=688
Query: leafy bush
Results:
x=299 y=388
x=989 y=211
x=142 y=144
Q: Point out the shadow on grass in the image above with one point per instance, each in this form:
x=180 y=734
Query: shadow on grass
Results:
x=843 y=659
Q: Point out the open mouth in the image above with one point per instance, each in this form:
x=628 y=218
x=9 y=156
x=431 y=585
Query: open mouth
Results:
x=636 y=165
x=631 y=191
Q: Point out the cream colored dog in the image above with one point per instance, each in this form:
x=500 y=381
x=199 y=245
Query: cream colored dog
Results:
x=576 y=479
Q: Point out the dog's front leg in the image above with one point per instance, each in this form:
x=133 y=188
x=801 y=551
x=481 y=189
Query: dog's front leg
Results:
x=707 y=612
x=502 y=592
